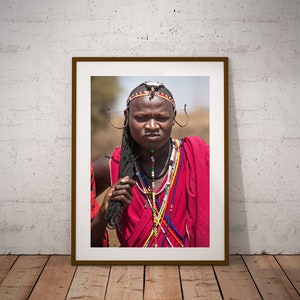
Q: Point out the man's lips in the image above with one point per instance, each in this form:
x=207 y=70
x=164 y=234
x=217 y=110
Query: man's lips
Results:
x=152 y=136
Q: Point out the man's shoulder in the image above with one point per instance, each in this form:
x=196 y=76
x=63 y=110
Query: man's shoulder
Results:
x=115 y=156
x=194 y=141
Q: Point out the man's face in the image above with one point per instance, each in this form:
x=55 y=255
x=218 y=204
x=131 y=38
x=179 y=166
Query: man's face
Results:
x=150 y=122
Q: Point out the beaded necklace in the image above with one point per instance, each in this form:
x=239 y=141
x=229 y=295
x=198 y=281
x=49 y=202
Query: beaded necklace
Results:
x=158 y=211
x=154 y=208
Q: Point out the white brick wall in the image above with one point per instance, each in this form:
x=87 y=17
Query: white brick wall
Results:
x=38 y=40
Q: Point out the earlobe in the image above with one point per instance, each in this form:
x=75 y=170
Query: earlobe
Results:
x=126 y=116
x=174 y=117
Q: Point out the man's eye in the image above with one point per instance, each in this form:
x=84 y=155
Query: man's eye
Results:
x=162 y=119
x=141 y=118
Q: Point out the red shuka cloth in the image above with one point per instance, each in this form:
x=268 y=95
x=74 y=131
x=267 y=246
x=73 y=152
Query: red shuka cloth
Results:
x=189 y=198
x=95 y=206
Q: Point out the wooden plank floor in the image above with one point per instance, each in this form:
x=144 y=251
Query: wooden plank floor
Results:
x=53 y=277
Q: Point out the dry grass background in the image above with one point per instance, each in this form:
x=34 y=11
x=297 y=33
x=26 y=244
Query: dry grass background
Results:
x=105 y=138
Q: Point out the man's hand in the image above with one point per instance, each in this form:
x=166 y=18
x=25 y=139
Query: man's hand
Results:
x=121 y=191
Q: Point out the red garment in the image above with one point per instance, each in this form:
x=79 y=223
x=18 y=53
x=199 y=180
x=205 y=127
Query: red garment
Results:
x=95 y=206
x=94 y=203
x=187 y=211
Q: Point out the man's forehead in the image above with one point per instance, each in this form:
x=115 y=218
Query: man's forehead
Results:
x=146 y=103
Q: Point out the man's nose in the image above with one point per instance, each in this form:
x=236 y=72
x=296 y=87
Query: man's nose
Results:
x=152 y=125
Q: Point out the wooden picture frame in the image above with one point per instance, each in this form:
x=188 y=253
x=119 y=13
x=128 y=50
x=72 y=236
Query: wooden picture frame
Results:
x=180 y=74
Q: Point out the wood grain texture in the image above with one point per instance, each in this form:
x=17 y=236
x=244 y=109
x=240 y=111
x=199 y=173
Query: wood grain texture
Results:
x=125 y=282
x=235 y=281
x=6 y=262
x=89 y=282
x=291 y=266
x=55 y=280
x=22 y=277
x=162 y=282
x=269 y=278
x=199 y=282
x=246 y=277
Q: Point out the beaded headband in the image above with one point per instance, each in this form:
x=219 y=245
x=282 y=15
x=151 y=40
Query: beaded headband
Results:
x=148 y=93
x=153 y=86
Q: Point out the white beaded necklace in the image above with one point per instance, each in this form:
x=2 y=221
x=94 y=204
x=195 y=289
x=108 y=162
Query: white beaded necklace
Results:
x=149 y=191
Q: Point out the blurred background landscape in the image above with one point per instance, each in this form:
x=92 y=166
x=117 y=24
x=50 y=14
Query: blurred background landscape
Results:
x=111 y=92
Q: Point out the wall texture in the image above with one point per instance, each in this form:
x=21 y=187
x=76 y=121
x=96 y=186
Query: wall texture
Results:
x=38 y=40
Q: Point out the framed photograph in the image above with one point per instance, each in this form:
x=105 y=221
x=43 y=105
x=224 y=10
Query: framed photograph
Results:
x=150 y=160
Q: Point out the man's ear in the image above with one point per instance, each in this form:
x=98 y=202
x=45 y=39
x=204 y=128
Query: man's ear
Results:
x=126 y=115
x=174 y=117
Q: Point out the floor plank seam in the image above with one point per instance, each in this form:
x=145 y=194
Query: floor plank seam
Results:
x=69 y=287
x=261 y=296
x=18 y=256
x=144 y=281
x=286 y=275
x=218 y=283
x=38 y=278
x=106 y=287
x=180 y=282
